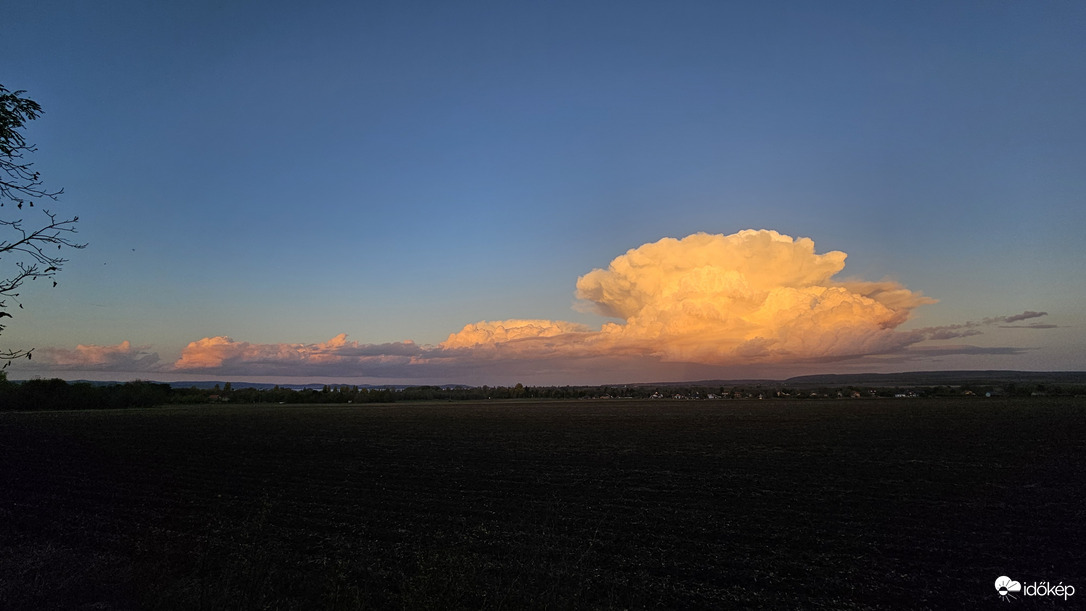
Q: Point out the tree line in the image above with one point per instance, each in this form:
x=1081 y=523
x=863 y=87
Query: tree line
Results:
x=56 y=394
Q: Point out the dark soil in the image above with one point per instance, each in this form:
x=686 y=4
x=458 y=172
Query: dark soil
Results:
x=914 y=503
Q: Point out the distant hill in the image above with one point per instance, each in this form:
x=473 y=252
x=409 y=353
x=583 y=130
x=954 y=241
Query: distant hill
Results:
x=904 y=379
x=941 y=378
x=209 y=384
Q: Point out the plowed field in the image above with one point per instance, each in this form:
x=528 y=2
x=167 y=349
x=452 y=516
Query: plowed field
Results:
x=583 y=504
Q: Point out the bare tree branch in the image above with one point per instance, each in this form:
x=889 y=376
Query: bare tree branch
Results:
x=27 y=249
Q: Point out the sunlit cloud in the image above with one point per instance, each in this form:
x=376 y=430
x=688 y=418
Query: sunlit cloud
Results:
x=486 y=333
x=754 y=296
x=337 y=356
x=122 y=357
x=701 y=306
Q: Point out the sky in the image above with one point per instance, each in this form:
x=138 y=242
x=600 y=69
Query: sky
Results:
x=554 y=193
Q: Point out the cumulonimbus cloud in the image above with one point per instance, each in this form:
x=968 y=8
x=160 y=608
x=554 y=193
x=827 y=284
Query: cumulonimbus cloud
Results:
x=753 y=296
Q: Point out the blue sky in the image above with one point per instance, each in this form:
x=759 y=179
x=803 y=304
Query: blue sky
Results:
x=280 y=174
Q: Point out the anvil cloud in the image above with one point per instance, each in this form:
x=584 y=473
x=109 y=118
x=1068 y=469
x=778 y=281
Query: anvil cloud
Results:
x=709 y=301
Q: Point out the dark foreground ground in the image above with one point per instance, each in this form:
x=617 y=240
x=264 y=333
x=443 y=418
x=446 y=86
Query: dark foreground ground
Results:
x=906 y=503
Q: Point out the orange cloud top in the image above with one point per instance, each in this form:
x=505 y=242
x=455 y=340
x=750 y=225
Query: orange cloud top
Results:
x=711 y=269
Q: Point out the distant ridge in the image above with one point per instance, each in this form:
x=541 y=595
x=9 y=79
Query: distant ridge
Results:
x=210 y=384
x=928 y=378
x=914 y=378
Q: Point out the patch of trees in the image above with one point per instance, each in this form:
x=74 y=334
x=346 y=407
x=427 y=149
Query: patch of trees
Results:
x=59 y=395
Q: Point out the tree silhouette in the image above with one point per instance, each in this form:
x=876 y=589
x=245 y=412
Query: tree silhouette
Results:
x=26 y=248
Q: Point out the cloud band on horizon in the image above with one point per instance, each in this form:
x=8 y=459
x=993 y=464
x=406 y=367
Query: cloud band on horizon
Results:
x=712 y=300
